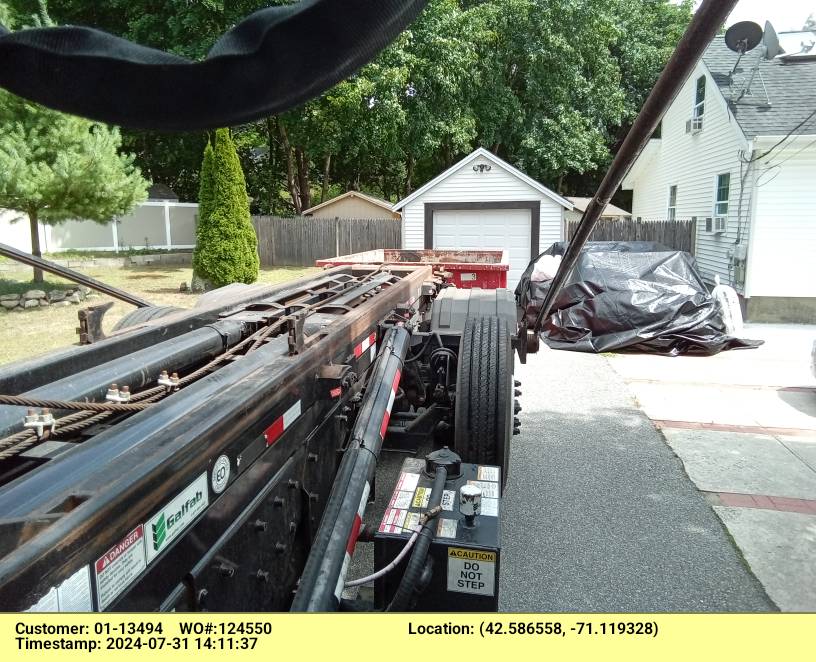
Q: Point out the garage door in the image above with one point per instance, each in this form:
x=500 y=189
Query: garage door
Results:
x=487 y=229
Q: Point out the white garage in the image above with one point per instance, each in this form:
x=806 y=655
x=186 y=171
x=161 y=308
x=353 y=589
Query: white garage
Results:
x=483 y=202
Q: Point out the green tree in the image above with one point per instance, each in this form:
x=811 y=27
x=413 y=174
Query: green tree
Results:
x=226 y=247
x=56 y=167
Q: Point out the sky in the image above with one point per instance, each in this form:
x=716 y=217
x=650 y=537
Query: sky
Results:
x=783 y=14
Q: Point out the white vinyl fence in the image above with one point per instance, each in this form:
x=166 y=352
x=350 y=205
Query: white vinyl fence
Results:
x=153 y=224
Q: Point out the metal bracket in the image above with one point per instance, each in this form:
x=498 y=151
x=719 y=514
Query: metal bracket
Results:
x=297 y=338
x=90 y=323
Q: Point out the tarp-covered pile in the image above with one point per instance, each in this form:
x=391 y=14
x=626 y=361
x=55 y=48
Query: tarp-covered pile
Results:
x=627 y=296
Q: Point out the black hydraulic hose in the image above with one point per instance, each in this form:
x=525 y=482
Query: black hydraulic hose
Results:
x=702 y=29
x=412 y=579
x=323 y=576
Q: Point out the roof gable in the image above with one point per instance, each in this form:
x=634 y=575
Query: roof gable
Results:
x=350 y=194
x=791 y=87
x=482 y=152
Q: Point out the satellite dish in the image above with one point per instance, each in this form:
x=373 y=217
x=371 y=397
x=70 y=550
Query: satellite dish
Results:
x=743 y=36
x=772 y=47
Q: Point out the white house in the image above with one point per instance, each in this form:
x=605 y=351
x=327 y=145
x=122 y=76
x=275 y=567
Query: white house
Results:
x=483 y=202
x=737 y=150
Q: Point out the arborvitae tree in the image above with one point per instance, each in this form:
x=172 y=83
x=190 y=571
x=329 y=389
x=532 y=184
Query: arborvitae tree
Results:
x=226 y=248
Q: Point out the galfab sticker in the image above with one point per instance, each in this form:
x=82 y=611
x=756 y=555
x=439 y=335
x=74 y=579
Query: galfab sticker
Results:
x=119 y=566
x=175 y=517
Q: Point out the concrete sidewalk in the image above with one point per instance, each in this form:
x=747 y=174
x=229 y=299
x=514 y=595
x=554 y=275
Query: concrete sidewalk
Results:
x=744 y=425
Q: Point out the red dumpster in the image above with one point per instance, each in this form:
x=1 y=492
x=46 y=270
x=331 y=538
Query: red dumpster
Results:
x=470 y=268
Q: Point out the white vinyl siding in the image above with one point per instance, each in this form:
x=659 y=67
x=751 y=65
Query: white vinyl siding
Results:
x=783 y=246
x=692 y=161
x=465 y=185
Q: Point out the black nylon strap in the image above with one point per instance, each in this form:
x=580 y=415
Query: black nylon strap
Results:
x=272 y=61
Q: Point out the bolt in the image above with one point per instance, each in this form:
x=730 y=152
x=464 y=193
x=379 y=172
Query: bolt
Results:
x=516 y=407
x=516 y=431
x=517 y=383
x=263 y=576
x=517 y=393
x=293 y=484
x=260 y=525
x=114 y=387
x=32 y=412
x=314 y=497
x=516 y=423
x=313 y=457
x=280 y=548
x=292 y=527
x=226 y=570
x=278 y=502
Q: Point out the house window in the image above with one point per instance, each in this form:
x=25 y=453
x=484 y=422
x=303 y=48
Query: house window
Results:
x=672 y=208
x=699 y=99
x=723 y=191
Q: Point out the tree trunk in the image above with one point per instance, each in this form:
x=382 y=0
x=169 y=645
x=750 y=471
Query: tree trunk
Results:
x=303 y=178
x=273 y=187
x=409 y=175
x=35 y=243
x=291 y=181
x=326 y=168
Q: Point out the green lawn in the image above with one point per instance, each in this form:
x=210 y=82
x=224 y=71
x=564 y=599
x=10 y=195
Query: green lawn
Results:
x=37 y=331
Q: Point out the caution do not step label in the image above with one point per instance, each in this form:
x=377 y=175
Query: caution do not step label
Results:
x=471 y=571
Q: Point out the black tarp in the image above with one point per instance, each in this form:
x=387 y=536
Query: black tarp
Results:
x=633 y=297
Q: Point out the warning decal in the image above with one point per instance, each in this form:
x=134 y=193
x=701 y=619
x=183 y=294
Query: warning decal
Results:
x=119 y=566
x=489 y=473
x=446 y=528
x=407 y=482
x=74 y=594
x=490 y=507
x=489 y=490
x=393 y=520
x=422 y=497
x=401 y=500
x=471 y=571
x=448 y=498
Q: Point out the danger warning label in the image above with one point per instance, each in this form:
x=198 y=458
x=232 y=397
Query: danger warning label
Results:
x=471 y=571
x=119 y=566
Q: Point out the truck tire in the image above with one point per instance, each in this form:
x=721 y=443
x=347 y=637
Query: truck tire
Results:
x=142 y=315
x=483 y=416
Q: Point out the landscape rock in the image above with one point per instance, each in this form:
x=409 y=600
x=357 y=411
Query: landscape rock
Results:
x=9 y=304
x=31 y=303
x=84 y=290
x=9 y=297
x=73 y=298
x=56 y=295
x=61 y=304
x=34 y=294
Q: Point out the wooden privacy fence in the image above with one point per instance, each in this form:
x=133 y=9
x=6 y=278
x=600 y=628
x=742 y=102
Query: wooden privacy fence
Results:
x=301 y=240
x=679 y=235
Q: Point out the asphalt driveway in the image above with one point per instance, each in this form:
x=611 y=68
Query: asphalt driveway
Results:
x=599 y=514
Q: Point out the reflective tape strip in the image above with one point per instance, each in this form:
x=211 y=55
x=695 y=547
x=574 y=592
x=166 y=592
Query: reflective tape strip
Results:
x=360 y=349
x=391 y=398
x=352 y=541
x=274 y=431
